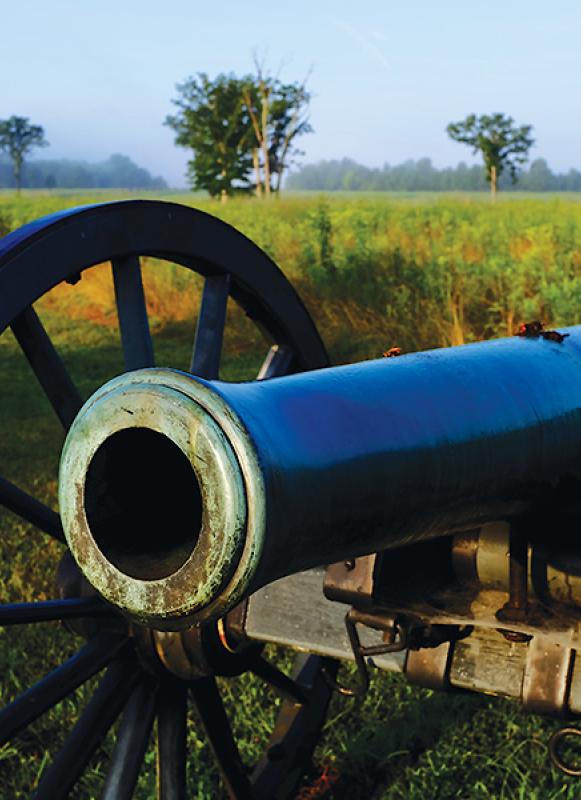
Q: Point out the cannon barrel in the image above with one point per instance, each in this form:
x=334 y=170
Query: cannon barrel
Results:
x=181 y=496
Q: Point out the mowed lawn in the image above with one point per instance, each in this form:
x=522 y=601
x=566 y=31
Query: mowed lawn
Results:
x=375 y=272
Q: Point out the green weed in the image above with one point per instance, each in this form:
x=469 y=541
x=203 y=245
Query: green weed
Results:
x=375 y=272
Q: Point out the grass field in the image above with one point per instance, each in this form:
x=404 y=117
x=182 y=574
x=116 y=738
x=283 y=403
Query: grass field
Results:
x=375 y=272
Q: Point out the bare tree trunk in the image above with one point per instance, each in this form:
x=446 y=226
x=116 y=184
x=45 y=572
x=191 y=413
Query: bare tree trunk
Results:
x=493 y=179
x=261 y=130
x=18 y=174
x=284 y=150
x=278 y=178
x=256 y=162
x=266 y=169
x=265 y=153
x=223 y=191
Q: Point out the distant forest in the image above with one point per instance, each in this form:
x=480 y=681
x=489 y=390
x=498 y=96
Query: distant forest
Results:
x=415 y=176
x=117 y=172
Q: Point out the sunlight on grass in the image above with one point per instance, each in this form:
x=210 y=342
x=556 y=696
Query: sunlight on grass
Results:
x=375 y=272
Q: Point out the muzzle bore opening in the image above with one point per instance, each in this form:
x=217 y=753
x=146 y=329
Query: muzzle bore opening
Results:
x=143 y=503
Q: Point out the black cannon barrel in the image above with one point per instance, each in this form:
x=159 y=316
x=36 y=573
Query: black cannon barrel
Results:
x=381 y=453
x=344 y=461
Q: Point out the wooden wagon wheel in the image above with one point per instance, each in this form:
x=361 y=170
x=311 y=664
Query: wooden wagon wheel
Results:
x=33 y=260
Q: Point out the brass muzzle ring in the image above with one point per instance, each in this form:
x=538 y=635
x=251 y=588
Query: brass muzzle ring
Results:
x=183 y=577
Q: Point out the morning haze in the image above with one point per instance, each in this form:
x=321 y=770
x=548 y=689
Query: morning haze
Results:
x=385 y=78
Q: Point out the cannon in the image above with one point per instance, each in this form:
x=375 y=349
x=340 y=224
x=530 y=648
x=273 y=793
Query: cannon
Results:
x=415 y=513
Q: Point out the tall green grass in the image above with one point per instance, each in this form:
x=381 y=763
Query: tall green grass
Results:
x=375 y=272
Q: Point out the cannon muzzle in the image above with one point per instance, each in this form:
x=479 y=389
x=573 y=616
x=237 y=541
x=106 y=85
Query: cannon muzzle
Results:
x=181 y=496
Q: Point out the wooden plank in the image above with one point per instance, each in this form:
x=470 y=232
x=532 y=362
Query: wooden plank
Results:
x=294 y=612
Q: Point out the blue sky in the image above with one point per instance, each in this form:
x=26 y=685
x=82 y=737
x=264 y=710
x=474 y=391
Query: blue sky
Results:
x=386 y=77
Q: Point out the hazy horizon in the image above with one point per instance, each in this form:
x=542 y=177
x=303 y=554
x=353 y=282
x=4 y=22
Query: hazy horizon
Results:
x=385 y=79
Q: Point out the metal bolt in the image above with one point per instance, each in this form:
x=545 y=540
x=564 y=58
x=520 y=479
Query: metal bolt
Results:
x=516 y=609
x=515 y=636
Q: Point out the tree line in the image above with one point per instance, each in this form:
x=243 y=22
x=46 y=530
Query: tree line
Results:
x=421 y=175
x=116 y=172
x=241 y=132
x=503 y=146
x=242 y=135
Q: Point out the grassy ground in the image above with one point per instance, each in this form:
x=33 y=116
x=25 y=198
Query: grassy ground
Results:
x=401 y=742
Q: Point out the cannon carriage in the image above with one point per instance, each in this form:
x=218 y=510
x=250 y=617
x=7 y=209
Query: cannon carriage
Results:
x=413 y=514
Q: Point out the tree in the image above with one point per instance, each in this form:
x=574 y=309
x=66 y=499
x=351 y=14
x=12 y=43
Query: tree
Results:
x=502 y=145
x=279 y=114
x=213 y=121
x=17 y=138
x=237 y=127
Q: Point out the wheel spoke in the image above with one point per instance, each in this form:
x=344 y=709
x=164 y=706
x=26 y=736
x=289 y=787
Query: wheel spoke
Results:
x=30 y=509
x=278 y=361
x=210 y=327
x=132 y=739
x=295 y=735
x=100 y=713
x=219 y=733
x=47 y=366
x=49 y=691
x=171 y=740
x=49 y=610
x=286 y=686
x=132 y=313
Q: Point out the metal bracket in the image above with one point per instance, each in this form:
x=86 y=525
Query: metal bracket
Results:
x=555 y=743
x=430 y=667
x=352 y=581
x=547 y=677
x=394 y=632
x=516 y=608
